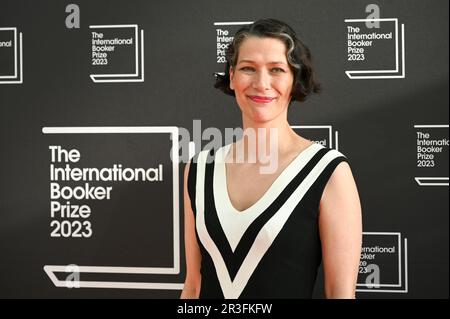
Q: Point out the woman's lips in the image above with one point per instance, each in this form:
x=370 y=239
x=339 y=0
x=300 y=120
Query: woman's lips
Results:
x=261 y=99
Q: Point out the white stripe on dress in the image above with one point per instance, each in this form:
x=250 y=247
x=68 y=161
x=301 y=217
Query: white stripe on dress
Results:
x=235 y=223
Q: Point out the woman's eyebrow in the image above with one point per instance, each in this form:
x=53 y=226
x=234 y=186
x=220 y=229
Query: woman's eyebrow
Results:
x=246 y=61
x=272 y=62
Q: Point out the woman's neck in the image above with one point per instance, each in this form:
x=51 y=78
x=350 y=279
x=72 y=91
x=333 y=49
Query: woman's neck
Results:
x=263 y=143
x=271 y=135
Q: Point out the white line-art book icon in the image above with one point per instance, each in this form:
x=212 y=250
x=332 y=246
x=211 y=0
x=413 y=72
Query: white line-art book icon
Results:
x=11 y=52
x=321 y=134
x=397 y=71
x=384 y=263
x=114 y=44
x=432 y=154
x=224 y=36
x=125 y=276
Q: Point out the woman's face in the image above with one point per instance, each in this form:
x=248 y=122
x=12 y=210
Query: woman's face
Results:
x=262 y=79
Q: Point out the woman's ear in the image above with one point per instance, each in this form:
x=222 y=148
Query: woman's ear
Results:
x=231 y=77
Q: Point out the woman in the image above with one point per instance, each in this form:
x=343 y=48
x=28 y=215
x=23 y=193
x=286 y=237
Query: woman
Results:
x=254 y=235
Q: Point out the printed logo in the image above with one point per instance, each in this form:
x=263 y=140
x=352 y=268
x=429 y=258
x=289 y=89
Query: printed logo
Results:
x=11 y=56
x=107 y=207
x=117 y=53
x=383 y=265
x=321 y=134
x=224 y=36
x=432 y=155
x=375 y=53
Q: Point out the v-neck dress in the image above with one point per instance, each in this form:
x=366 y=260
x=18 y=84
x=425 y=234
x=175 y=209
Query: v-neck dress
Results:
x=271 y=249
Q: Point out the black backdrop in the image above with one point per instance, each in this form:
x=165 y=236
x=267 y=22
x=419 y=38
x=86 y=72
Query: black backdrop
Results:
x=131 y=245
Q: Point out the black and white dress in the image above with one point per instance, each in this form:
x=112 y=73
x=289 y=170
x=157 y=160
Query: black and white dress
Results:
x=271 y=249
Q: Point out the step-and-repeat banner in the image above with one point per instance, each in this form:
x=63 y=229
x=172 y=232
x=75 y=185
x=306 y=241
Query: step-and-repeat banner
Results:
x=96 y=98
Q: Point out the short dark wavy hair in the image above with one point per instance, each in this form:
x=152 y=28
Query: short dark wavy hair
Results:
x=298 y=57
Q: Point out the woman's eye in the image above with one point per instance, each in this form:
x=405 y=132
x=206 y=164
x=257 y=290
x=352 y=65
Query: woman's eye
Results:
x=247 y=69
x=278 y=70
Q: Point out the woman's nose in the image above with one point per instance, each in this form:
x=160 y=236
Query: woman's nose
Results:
x=262 y=81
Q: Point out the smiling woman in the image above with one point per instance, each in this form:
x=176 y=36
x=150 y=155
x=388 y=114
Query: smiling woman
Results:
x=250 y=234
x=262 y=79
x=294 y=53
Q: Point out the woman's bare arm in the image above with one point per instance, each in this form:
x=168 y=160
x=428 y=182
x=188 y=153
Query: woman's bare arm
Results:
x=340 y=225
x=191 y=288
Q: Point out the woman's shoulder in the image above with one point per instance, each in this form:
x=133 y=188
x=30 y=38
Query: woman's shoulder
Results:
x=316 y=149
x=339 y=170
x=335 y=153
x=331 y=163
